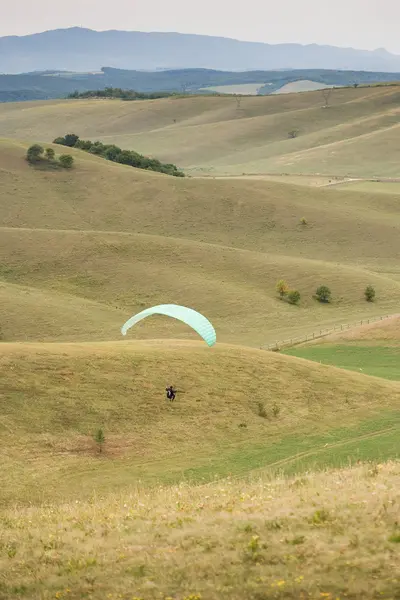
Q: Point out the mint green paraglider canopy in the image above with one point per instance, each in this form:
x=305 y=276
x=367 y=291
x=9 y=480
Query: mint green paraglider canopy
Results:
x=189 y=316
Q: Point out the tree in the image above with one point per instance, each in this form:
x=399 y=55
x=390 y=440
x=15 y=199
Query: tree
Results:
x=100 y=439
x=50 y=154
x=293 y=297
x=66 y=161
x=323 y=294
x=369 y=293
x=282 y=288
x=34 y=153
x=60 y=141
x=70 y=140
x=293 y=133
x=112 y=153
x=303 y=221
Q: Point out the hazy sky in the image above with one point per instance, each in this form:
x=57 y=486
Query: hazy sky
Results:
x=365 y=24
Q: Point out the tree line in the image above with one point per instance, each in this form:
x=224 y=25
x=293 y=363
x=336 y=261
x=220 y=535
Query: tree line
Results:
x=118 y=155
x=323 y=293
x=119 y=93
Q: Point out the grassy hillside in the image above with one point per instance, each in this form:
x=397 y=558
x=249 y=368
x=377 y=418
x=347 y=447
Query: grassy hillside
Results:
x=105 y=240
x=82 y=249
x=356 y=135
x=331 y=535
x=55 y=396
x=373 y=349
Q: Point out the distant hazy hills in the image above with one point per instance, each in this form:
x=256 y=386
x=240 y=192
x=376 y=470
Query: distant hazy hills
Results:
x=78 y=49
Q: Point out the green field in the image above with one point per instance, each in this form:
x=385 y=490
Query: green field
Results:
x=371 y=360
x=373 y=349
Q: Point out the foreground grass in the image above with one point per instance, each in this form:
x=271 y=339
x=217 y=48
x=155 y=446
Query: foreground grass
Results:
x=379 y=361
x=333 y=535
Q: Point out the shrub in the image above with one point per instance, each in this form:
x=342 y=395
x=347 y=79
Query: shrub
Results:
x=323 y=294
x=293 y=133
x=112 y=153
x=276 y=410
x=66 y=161
x=293 y=297
x=303 y=221
x=369 y=293
x=320 y=516
x=50 y=154
x=282 y=288
x=34 y=153
x=261 y=410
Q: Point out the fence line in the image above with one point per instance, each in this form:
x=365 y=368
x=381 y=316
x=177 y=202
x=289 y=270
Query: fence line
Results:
x=321 y=333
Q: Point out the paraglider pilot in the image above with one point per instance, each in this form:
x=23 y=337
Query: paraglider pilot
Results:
x=171 y=393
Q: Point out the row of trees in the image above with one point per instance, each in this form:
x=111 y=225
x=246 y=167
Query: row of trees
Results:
x=119 y=93
x=37 y=154
x=116 y=154
x=323 y=294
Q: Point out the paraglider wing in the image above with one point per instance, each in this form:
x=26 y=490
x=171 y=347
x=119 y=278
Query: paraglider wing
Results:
x=189 y=316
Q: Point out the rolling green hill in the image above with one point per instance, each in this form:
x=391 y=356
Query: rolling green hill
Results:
x=55 y=396
x=106 y=240
x=356 y=135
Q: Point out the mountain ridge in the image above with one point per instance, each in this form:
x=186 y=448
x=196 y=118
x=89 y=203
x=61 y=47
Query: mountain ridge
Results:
x=90 y=50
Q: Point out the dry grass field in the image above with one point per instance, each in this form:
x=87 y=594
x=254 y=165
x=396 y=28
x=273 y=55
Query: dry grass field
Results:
x=357 y=135
x=223 y=493
x=331 y=536
x=104 y=240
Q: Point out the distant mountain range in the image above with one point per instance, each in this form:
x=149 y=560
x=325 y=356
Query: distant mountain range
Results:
x=78 y=49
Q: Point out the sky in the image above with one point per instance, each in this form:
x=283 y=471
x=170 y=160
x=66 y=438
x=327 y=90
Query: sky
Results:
x=364 y=24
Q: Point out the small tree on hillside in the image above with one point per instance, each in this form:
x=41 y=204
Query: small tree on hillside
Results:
x=293 y=297
x=66 y=161
x=34 y=153
x=323 y=294
x=50 y=154
x=293 y=133
x=282 y=288
x=100 y=439
x=369 y=293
